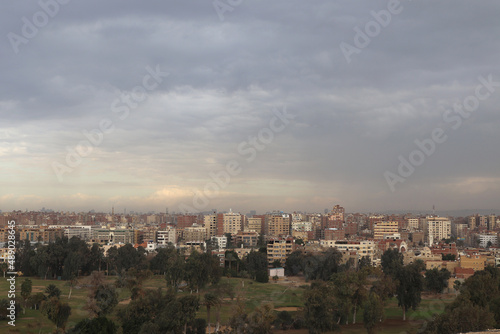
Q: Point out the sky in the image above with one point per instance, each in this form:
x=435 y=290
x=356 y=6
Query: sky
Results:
x=249 y=105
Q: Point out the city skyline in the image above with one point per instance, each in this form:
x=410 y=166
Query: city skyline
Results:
x=288 y=105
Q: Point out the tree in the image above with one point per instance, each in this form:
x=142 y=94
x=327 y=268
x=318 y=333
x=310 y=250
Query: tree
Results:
x=26 y=288
x=436 y=280
x=101 y=325
x=456 y=285
x=229 y=238
x=257 y=266
x=159 y=263
x=392 y=262
x=36 y=300
x=462 y=318
x=52 y=291
x=259 y=321
x=72 y=282
x=56 y=311
x=373 y=312
x=322 y=266
x=410 y=286
x=175 y=271
x=106 y=299
x=210 y=300
x=364 y=262
x=24 y=258
x=294 y=263
x=320 y=307
x=143 y=310
x=449 y=257
x=349 y=289
x=4 y=267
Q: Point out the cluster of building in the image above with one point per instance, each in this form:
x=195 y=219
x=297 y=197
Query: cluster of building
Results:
x=355 y=235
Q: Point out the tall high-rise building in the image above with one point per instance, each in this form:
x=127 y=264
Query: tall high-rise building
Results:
x=210 y=223
x=277 y=224
x=438 y=228
x=229 y=222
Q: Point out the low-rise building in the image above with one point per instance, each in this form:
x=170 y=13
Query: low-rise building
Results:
x=475 y=262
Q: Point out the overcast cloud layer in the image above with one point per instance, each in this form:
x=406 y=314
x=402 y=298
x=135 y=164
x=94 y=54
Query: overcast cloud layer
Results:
x=226 y=80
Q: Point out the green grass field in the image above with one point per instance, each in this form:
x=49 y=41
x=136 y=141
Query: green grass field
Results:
x=252 y=294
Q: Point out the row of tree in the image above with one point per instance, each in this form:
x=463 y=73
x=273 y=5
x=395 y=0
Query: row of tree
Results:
x=339 y=291
x=72 y=258
x=477 y=308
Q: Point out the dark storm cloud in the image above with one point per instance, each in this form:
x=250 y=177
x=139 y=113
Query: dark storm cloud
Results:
x=352 y=120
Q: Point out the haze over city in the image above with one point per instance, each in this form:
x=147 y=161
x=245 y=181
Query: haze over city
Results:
x=289 y=105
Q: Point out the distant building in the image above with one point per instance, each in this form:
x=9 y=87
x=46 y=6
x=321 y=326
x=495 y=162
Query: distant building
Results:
x=279 y=249
x=484 y=239
x=167 y=236
x=277 y=224
x=385 y=228
x=247 y=239
x=229 y=222
x=438 y=228
x=254 y=224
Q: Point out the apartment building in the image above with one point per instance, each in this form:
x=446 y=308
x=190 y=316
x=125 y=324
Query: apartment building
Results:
x=167 y=236
x=279 y=249
x=384 y=228
x=277 y=224
x=362 y=247
x=210 y=223
x=229 y=222
x=254 y=224
x=438 y=228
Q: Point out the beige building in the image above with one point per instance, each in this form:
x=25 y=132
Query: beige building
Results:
x=385 y=228
x=210 y=223
x=113 y=236
x=413 y=224
x=438 y=228
x=229 y=222
x=279 y=249
x=254 y=224
x=195 y=233
x=362 y=247
x=277 y=224
x=476 y=262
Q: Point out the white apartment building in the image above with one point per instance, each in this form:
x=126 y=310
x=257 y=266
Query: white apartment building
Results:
x=485 y=238
x=438 y=228
x=163 y=238
x=362 y=247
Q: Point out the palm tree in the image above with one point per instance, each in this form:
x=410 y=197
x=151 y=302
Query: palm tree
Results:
x=209 y=299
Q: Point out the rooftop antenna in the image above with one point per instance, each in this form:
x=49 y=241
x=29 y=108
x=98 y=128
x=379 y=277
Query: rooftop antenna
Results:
x=433 y=210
